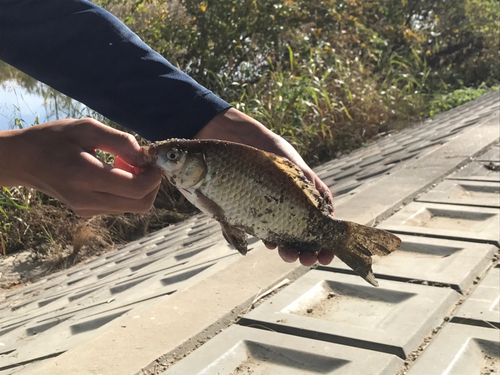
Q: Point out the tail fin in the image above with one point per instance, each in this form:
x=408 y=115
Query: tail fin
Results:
x=358 y=243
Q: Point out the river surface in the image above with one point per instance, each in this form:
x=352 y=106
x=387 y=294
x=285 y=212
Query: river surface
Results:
x=24 y=101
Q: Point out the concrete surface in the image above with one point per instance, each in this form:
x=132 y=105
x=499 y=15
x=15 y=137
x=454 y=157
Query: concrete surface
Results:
x=477 y=171
x=145 y=306
x=469 y=193
x=393 y=318
x=467 y=223
x=455 y=264
x=461 y=350
x=241 y=350
x=483 y=305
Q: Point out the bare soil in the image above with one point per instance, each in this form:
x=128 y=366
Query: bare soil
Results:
x=250 y=366
x=491 y=365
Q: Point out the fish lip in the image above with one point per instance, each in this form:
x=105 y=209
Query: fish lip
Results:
x=149 y=155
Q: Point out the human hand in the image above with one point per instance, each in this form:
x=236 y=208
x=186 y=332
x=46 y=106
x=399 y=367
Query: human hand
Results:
x=233 y=125
x=58 y=159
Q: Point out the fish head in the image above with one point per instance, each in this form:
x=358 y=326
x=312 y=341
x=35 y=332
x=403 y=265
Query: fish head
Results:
x=184 y=169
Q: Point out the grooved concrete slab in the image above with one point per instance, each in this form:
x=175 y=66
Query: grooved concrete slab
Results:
x=446 y=221
x=379 y=198
x=344 y=309
x=492 y=154
x=461 y=350
x=470 y=193
x=477 y=171
x=434 y=260
x=62 y=334
x=67 y=309
x=244 y=351
x=483 y=305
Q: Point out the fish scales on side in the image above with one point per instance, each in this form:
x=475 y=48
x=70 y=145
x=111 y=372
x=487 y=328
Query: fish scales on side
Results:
x=249 y=191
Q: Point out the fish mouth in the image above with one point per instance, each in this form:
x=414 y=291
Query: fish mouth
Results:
x=149 y=155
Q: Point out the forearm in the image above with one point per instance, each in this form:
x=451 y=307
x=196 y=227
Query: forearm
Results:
x=8 y=157
x=88 y=54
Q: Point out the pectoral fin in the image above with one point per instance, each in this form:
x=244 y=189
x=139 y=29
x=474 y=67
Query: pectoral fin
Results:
x=235 y=237
x=204 y=203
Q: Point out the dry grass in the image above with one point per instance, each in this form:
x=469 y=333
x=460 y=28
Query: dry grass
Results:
x=60 y=238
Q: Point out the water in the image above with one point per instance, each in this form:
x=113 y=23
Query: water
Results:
x=24 y=101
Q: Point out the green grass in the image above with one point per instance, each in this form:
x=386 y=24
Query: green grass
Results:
x=447 y=101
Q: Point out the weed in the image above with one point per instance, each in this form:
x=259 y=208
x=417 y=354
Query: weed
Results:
x=444 y=102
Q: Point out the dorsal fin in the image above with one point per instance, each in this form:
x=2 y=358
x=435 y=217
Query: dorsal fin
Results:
x=300 y=180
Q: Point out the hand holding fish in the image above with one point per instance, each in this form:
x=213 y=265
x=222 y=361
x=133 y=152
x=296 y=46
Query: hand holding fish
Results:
x=58 y=158
x=232 y=125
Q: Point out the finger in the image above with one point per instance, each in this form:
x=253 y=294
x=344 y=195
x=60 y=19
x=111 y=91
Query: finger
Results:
x=308 y=259
x=288 y=255
x=319 y=185
x=324 y=191
x=270 y=245
x=325 y=257
x=122 y=164
x=103 y=203
x=104 y=178
x=99 y=136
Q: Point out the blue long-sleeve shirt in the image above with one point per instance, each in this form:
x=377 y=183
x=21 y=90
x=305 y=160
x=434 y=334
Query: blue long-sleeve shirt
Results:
x=88 y=54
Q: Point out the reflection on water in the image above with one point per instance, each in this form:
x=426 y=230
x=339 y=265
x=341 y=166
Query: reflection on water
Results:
x=24 y=101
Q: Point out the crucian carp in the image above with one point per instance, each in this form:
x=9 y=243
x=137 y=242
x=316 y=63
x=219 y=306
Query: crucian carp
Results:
x=249 y=191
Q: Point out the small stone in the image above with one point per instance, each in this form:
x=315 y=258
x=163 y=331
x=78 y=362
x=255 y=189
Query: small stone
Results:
x=309 y=311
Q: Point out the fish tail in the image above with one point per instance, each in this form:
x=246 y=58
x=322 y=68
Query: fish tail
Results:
x=357 y=244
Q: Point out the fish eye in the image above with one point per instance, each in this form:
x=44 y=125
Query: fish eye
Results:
x=172 y=155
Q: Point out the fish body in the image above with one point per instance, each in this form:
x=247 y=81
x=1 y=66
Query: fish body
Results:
x=250 y=191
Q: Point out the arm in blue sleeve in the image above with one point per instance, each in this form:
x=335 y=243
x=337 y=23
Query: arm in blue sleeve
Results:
x=88 y=54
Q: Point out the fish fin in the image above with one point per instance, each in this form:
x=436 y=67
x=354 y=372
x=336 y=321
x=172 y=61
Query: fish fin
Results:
x=232 y=234
x=299 y=179
x=235 y=236
x=358 y=261
x=358 y=243
x=375 y=241
x=205 y=204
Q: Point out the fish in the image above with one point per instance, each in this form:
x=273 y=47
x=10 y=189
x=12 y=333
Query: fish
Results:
x=254 y=192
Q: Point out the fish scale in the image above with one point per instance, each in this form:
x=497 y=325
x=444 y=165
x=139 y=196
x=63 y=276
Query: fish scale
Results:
x=249 y=191
x=247 y=200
